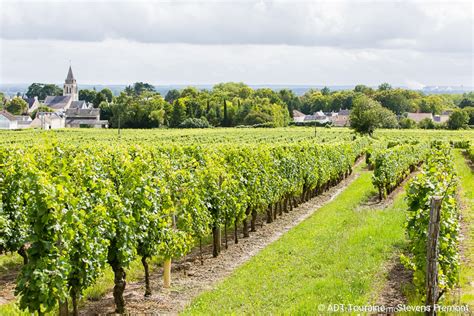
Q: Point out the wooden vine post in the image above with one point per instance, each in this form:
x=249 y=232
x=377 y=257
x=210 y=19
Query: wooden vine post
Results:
x=167 y=264
x=432 y=255
x=167 y=273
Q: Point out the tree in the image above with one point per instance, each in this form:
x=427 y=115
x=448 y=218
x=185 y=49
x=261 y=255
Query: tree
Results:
x=190 y=92
x=17 y=106
x=42 y=90
x=364 y=89
x=195 y=123
x=41 y=108
x=158 y=116
x=87 y=95
x=138 y=88
x=435 y=104
x=395 y=100
x=407 y=123
x=385 y=86
x=470 y=112
x=3 y=100
x=325 y=91
x=255 y=117
x=458 y=119
x=465 y=102
x=366 y=115
x=108 y=94
x=179 y=113
x=172 y=95
x=290 y=99
x=386 y=118
x=426 y=123
x=99 y=98
x=226 y=121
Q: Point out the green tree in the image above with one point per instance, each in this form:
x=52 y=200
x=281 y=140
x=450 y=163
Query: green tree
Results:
x=138 y=88
x=407 y=123
x=190 y=92
x=98 y=99
x=435 y=104
x=384 y=86
x=87 y=95
x=366 y=115
x=395 y=100
x=386 y=118
x=108 y=94
x=179 y=112
x=470 y=112
x=158 y=116
x=172 y=95
x=17 y=106
x=226 y=122
x=290 y=99
x=41 y=108
x=360 y=88
x=42 y=90
x=325 y=91
x=458 y=119
x=426 y=123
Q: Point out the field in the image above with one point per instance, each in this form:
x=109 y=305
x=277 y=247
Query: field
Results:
x=93 y=218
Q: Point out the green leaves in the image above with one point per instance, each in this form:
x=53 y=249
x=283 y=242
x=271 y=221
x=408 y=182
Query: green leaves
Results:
x=80 y=207
x=437 y=179
x=392 y=165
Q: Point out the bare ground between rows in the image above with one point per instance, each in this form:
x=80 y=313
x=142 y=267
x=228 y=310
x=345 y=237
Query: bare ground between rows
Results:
x=198 y=278
x=8 y=283
x=397 y=276
x=374 y=202
x=466 y=242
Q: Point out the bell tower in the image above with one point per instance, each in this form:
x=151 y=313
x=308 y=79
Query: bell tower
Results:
x=70 y=86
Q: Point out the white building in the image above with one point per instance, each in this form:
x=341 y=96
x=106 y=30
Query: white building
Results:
x=49 y=120
x=8 y=120
x=23 y=121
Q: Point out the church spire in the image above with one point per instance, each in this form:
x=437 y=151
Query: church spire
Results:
x=70 y=76
x=70 y=86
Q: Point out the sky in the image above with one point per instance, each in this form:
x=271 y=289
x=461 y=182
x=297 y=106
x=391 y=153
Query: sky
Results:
x=410 y=43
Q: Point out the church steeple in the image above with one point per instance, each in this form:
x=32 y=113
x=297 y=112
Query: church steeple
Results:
x=70 y=76
x=70 y=86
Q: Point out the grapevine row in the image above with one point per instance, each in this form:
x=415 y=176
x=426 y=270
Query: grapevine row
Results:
x=71 y=210
x=393 y=165
x=437 y=178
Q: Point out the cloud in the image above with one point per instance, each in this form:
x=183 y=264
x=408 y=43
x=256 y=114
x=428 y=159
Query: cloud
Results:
x=417 y=25
x=125 y=62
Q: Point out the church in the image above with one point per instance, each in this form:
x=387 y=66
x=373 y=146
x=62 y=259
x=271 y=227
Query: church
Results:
x=70 y=97
x=68 y=110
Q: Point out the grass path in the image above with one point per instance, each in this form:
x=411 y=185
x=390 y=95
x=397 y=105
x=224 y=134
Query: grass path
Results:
x=466 y=281
x=335 y=256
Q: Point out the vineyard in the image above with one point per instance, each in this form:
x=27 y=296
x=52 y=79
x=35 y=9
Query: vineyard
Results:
x=77 y=203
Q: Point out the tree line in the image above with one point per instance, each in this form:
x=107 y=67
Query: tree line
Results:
x=233 y=104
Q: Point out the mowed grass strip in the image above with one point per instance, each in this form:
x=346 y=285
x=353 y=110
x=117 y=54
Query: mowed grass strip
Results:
x=333 y=257
x=467 y=195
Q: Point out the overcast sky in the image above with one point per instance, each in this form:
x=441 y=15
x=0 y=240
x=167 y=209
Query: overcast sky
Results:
x=410 y=43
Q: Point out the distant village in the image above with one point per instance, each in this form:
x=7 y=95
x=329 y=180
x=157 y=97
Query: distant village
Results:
x=341 y=118
x=66 y=111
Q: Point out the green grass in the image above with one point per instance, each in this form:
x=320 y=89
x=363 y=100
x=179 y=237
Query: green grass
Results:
x=467 y=197
x=335 y=256
x=12 y=309
x=10 y=261
x=102 y=286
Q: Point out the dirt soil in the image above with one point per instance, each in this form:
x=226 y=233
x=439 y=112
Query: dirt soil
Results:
x=374 y=202
x=8 y=283
x=397 y=275
x=190 y=278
